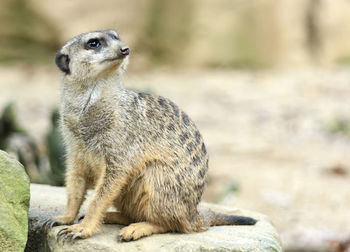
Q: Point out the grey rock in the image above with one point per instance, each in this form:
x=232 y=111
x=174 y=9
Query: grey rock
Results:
x=48 y=201
x=14 y=204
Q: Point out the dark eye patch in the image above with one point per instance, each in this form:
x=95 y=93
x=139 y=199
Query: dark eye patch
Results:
x=93 y=43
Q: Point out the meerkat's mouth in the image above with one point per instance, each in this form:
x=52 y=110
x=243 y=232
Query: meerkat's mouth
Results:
x=119 y=57
x=123 y=52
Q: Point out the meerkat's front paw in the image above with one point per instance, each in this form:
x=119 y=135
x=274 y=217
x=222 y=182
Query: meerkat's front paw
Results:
x=131 y=233
x=57 y=221
x=74 y=232
x=138 y=230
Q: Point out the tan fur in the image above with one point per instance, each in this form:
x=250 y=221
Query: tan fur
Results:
x=140 y=152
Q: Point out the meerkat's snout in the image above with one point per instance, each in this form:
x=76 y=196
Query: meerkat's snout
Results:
x=124 y=51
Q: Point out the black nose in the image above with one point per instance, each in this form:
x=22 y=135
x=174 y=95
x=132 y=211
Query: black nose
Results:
x=124 y=51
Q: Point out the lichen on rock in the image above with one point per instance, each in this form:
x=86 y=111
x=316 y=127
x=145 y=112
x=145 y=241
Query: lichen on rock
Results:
x=14 y=204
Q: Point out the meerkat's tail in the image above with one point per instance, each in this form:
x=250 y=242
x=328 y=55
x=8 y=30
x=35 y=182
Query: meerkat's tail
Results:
x=211 y=218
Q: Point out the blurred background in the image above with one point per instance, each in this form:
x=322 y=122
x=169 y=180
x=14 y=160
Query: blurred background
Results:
x=266 y=81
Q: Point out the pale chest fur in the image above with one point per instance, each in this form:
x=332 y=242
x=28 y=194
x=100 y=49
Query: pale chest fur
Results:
x=87 y=118
x=81 y=136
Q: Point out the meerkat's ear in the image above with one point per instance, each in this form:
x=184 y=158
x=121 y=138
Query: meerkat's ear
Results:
x=62 y=61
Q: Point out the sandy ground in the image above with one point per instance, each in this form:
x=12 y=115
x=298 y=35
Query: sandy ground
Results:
x=265 y=131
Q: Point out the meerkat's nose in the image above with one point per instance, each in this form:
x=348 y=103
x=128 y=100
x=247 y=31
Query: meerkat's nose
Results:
x=124 y=51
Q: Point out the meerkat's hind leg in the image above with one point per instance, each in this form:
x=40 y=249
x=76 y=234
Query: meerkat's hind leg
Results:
x=116 y=218
x=140 y=229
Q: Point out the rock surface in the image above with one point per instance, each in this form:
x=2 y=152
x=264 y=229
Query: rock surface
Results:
x=14 y=204
x=48 y=201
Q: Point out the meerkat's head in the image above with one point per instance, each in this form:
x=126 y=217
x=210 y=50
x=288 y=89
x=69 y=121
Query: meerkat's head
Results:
x=92 y=55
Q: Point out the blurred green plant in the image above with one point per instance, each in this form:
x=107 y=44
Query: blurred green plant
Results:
x=242 y=45
x=167 y=30
x=242 y=48
x=43 y=165
x=338 y=126
x=56 y=150
x=26 y=36
x=232 y=187
x=345 y=60
x=15 y=140
x=9 y=125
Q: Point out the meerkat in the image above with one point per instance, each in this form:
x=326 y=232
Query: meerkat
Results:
x=140 y=152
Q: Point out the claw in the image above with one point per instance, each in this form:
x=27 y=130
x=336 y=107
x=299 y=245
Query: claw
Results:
x=76 y=236
x=43 y=227
x=63 y=239
x=60 y=233
x=53 y=223
x=69 y=239
x=66 y=237
x=120 y=238
x=49 y=224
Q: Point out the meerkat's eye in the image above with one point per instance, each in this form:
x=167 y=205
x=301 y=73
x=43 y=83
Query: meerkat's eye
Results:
x=93 y=44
